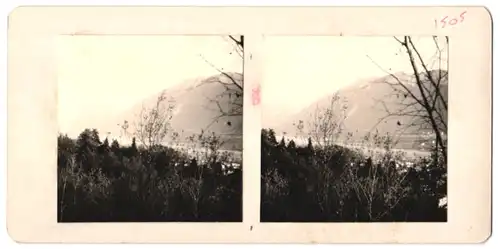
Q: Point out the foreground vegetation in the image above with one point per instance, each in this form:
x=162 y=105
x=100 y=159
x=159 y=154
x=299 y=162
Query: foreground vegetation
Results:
x=326 y=182
x=99 y=182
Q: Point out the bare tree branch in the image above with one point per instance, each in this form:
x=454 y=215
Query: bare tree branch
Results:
x=233 y=89
x=152 y=125
x=426 y=108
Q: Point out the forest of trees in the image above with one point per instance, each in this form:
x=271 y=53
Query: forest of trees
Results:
x=105 y=181
x=323 y=181
x=332 y=183
x=147 y=181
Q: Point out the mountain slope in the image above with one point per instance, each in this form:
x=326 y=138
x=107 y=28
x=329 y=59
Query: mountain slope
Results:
x=199 y=105
x=368 y=101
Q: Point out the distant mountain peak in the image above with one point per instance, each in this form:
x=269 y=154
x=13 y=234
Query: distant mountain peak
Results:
x=365 y=104
x=197 y=102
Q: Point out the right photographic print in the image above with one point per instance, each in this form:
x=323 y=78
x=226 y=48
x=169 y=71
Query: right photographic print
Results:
x=354 y=129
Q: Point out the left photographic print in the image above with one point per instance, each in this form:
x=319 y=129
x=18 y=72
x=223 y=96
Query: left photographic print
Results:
x=150 y=128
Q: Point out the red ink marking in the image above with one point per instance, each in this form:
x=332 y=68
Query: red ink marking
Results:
x=256 y=95
x=450 y=22
x=462 y=16
x=443 y=21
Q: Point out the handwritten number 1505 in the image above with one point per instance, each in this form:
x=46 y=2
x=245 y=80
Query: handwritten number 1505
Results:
x=445 y=21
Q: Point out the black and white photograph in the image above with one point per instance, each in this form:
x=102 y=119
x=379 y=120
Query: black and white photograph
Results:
x=150 y=128
x=354 y=129
x=132 y=125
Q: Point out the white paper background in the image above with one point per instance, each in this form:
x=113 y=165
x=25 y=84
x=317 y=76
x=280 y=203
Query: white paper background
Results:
x=288 y=232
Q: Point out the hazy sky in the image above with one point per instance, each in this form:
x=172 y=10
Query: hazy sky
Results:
x=300 y=69
x=101 y=76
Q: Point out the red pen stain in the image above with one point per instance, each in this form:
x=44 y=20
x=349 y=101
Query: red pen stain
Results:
x=450 y=21
x=256 y=95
